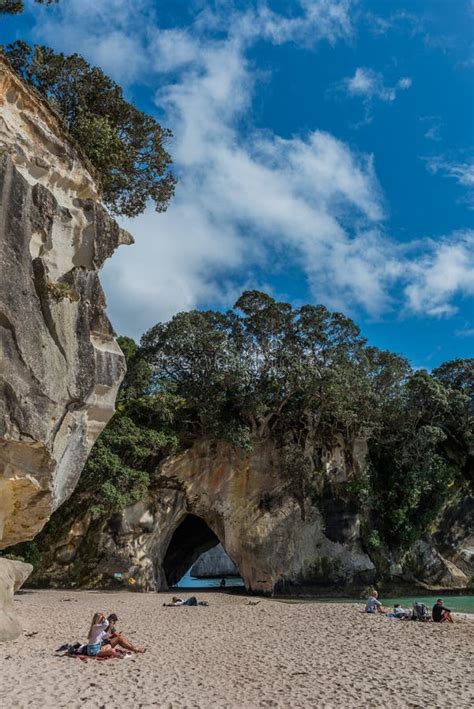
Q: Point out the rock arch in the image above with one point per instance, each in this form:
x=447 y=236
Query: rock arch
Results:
x=190 y=539
x=276 y=541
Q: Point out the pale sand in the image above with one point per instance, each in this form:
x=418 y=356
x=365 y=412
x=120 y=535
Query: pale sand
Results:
x=232 y=654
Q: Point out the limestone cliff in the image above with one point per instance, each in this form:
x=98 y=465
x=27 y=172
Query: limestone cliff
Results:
x=60 y=364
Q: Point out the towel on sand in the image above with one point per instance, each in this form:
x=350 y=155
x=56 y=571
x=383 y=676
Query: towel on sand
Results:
x=120 y=656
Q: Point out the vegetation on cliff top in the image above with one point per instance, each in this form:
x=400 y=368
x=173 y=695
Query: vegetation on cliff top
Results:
x=126 y=146
x=304 y=377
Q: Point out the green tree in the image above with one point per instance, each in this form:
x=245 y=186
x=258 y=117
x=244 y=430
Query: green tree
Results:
x=15 y=7
x=458 y=374
x=126 y=146
x=419 y=458
x=266 y=369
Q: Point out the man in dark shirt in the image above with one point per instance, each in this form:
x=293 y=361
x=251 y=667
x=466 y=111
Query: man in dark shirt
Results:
x=440 y=613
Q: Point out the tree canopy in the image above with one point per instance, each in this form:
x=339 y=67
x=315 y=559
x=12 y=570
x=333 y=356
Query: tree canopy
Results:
x=126 y=146
x=15 y=7
x=270 y=369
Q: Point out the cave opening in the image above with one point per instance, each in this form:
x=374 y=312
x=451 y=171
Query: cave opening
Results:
x=189 y=544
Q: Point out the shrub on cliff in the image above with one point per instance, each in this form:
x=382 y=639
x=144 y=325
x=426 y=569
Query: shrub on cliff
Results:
x=126 y=146
x=423 y=453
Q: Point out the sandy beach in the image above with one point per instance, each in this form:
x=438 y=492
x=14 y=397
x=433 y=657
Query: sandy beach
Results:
x=233 y=654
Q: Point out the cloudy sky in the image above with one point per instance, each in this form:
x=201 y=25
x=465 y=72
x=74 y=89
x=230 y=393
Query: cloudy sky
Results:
x=323 y=150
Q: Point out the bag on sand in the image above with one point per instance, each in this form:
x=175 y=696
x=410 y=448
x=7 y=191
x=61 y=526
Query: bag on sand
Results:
x=420 y=612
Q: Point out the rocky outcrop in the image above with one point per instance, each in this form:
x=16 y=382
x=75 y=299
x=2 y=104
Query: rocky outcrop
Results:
x=424 y=566
x=214 y=563
x=278 y=539
x=454 y=535
x=443 y=560
x=12 y=575
x=60 y=364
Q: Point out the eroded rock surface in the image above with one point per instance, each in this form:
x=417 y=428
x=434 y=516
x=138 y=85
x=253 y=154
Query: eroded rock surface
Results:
x=12 y=575
x=60 y=364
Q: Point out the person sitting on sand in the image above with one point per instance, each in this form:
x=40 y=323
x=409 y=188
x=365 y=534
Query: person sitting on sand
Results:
x=114 y=638
x=373 y=605
x=440 y=613
x=97 y=632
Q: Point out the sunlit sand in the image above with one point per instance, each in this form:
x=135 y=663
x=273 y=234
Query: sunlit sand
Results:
x=235 y=654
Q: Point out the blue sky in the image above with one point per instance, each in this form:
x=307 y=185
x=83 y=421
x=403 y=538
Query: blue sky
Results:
x=324 y=150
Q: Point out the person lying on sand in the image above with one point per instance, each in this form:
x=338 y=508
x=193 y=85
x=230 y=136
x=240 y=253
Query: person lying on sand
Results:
x=373 y=605
x=114 y=638
x=193 y=601
x=97 y=633
x=399 y=612
x=440 y=613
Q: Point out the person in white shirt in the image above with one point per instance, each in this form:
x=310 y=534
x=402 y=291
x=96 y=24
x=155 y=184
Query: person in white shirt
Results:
x=373 y=605
x=97 y=634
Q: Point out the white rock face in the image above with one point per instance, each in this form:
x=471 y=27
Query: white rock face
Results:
x=213 y=563
x=60 y=364
x=12 y=575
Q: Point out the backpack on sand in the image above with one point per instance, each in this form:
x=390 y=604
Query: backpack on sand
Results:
x=420 y=612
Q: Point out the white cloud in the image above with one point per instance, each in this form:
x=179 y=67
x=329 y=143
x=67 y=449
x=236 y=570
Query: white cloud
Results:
x=440 y=274
x=462 y=172
x=320 y=19
x=432 y=133
x=369 y=85
x=110 y=33
x=433 y=125
x=400 y=21
x=465 y=332
x=248 y=202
